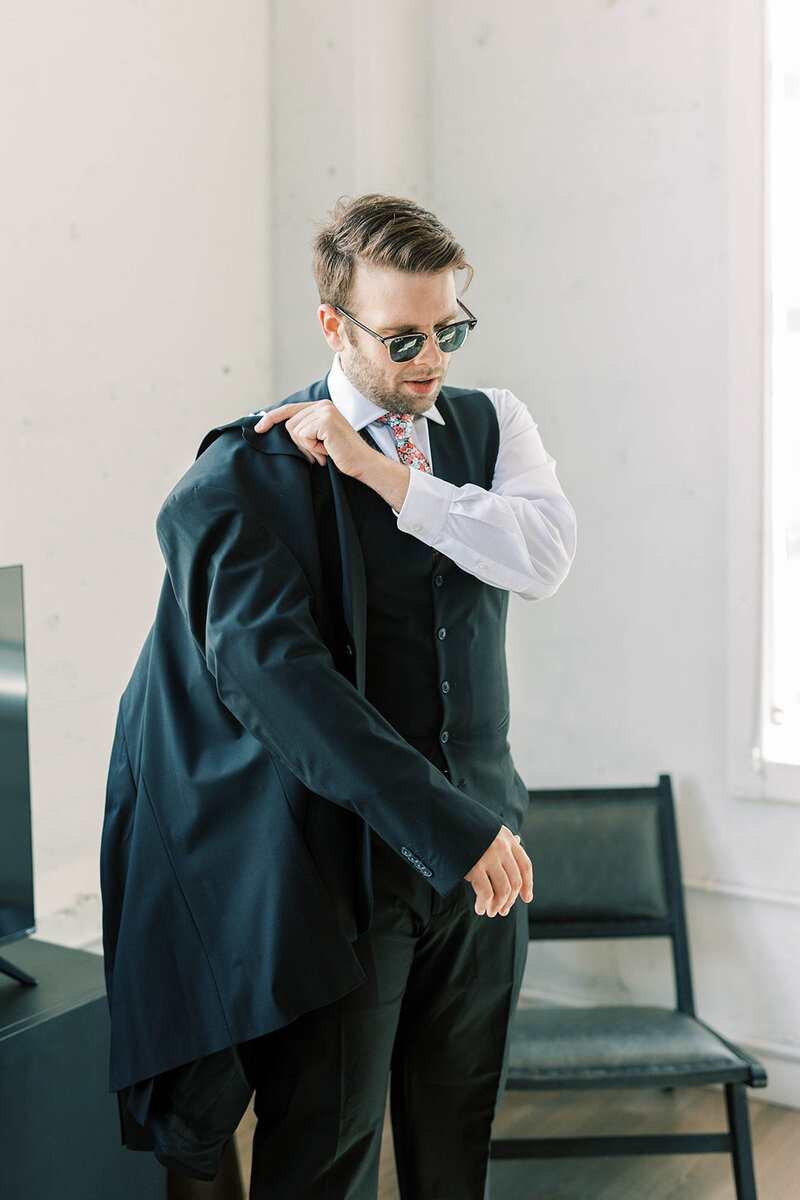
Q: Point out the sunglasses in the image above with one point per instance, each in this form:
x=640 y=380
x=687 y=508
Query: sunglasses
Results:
x=403 y=347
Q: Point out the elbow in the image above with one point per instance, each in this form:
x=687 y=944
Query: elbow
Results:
x=543 y=589
x=547 y=574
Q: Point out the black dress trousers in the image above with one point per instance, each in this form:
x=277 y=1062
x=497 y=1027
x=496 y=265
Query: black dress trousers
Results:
x=441 y=985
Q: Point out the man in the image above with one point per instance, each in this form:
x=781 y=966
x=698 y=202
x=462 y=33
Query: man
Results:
x=312 y=806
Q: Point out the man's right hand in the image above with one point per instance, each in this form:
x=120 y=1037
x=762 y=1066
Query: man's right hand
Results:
x=500 y=875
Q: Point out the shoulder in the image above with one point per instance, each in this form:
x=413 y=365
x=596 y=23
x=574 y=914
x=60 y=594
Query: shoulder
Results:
x=513 y=416
x=500 y=400
x=467 y=403
x=275 y=442
x=505 y=403
x=236 y=467
x=231 y=463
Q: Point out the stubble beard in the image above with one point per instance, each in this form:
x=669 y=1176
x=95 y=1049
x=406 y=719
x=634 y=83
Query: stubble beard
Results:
x=373 y=384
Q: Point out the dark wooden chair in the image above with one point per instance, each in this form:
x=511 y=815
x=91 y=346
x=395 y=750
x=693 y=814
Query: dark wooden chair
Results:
x=606 y=865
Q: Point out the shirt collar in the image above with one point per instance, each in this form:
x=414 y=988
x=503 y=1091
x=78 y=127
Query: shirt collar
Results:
x=353 y=405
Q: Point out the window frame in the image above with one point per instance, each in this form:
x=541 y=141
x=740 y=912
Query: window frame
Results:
x=750 y=774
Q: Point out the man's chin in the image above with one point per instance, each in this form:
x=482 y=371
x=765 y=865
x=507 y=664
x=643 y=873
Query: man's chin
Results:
x=409 y=404
x=417 y=400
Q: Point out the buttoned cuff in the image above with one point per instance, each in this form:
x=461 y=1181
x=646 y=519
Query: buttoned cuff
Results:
x=426 y=506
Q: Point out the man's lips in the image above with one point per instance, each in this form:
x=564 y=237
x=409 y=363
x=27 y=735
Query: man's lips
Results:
x=423 y=385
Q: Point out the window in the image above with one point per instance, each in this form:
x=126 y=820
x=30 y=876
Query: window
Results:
x=780 y=715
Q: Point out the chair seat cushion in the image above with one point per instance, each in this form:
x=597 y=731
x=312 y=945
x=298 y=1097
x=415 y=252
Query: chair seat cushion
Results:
x=618 y=1046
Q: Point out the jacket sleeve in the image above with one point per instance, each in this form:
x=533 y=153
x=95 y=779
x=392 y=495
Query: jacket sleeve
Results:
x=249 y=606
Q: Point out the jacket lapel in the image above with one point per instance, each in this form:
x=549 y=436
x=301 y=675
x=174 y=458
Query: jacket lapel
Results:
x=354 y=583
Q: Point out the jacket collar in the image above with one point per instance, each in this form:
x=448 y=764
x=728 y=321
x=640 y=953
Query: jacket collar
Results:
x=275 y=440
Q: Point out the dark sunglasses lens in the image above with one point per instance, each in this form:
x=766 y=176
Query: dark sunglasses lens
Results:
x=453 y=336
x=403 y=349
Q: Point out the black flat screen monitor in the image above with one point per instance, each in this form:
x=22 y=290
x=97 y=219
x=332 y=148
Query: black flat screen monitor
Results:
x=16 y=853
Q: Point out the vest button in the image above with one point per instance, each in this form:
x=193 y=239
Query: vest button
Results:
x=438 y=580
x=444 y=736
x=441 y=634
x=445 y=687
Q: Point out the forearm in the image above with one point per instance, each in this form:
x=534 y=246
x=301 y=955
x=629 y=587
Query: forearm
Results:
x=520 y=543
x=518 y=534
x=383 y=475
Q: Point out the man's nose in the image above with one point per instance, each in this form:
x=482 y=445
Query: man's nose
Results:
x=430 y=355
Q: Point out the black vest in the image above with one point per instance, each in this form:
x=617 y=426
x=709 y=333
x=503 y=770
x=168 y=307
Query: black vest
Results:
x=436 y=663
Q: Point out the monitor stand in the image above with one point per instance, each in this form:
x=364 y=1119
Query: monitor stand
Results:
x=7 y=968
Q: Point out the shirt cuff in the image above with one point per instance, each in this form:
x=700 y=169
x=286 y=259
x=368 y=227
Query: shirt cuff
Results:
x=426 y=506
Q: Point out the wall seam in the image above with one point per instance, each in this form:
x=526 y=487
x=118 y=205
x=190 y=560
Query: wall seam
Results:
x=740 y=891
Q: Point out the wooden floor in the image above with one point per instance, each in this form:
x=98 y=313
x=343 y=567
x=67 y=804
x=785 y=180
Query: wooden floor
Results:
x=776 y=1133
x=776 y=1140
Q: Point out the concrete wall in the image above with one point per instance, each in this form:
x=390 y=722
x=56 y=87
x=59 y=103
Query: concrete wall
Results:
x=602 y=162
x=134 y=314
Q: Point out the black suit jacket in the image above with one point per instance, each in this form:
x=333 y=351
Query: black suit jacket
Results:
x=248 y=766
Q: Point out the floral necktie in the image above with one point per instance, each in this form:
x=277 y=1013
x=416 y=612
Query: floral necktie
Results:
x=401 y=425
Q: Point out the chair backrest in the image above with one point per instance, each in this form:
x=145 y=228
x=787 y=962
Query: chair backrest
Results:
x=606 y=865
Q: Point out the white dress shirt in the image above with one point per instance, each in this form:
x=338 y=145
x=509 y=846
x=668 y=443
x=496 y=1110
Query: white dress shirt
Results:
x=519 y=535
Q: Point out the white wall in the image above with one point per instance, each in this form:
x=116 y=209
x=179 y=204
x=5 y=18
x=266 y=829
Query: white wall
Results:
x=134 y=316
x=601 y=162
x=604 y=225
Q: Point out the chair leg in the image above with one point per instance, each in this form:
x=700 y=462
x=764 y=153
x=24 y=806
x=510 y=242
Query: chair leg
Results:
x=742 y=1147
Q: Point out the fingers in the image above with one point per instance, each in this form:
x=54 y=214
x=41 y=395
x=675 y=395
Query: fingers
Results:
x=310 y=425
x=501 y=875
x=484 y=892
x=507 y=884
x=306 y=429
x=282 y=413
x=494 y=891
x=526 y=870
x=300 y=422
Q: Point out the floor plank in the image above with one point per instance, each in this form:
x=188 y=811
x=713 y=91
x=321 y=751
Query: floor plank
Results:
x=776 y=1141
x=667 y=1177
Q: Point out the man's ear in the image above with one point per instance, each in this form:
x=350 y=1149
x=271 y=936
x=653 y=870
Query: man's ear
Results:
x=332 y=327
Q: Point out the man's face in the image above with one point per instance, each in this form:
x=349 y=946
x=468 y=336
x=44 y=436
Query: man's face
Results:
x=392 y=302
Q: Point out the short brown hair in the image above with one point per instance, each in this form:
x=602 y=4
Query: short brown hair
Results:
x=385 y=231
